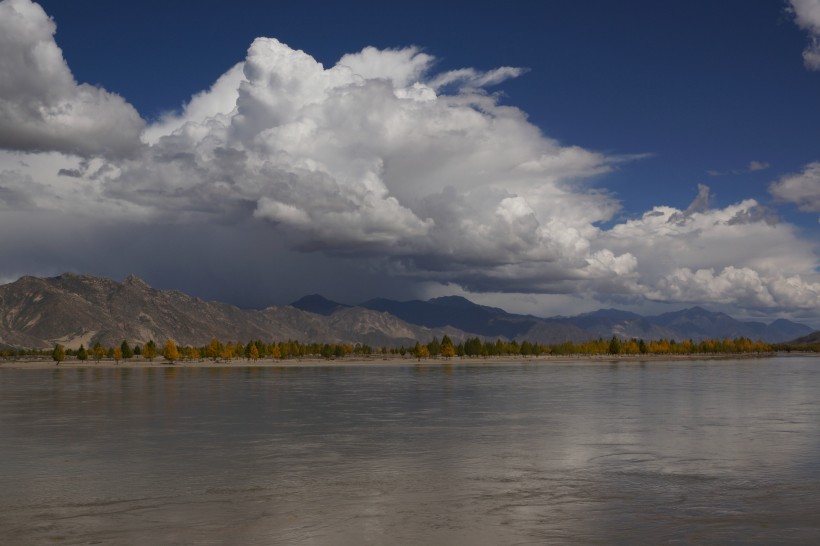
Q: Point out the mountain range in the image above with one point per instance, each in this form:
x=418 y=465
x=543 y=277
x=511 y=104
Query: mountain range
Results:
x=72 y=309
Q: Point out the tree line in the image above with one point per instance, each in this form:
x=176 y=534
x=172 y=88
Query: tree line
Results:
x=253 y=350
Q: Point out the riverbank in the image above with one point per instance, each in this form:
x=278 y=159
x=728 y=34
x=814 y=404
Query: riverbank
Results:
x=381 y=361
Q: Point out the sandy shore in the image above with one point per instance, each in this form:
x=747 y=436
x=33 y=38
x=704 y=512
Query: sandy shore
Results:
x=377 y=361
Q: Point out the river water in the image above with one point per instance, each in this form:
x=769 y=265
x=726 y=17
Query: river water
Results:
x=717 y=452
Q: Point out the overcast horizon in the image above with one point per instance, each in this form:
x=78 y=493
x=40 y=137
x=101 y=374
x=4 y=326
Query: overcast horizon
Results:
x=546 y=159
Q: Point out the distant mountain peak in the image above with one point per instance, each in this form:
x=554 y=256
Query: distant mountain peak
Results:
x=453 y=301
x=316 y=303
x=612 y=313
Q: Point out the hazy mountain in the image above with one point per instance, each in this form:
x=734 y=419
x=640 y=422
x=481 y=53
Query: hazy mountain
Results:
x=315 y=303
x=606 y=323
x=698 y=323
x=459 y=313
x=695 y=323
x=74 y=309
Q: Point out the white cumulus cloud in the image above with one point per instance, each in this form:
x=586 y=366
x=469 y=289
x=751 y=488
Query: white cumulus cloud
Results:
x=802 y=188
x=807 y=16
x=366 y=157
x=42 y=108
x=739 y=254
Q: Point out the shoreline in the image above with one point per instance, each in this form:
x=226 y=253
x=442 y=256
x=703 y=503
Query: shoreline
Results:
x=36 y=364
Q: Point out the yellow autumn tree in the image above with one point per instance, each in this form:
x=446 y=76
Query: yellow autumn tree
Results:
x=227 y=352
x=170 y=351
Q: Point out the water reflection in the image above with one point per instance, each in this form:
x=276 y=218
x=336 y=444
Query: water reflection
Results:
x=514 y=454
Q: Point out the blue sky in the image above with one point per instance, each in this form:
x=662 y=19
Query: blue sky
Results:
x=646 y=103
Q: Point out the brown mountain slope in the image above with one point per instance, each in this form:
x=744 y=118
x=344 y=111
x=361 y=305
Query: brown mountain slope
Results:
x=73 y=309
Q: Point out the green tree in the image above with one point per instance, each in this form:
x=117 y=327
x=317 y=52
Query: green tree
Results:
x=58 y=354
x=82 y=353
x=126 y=350
x=614 y=346
x=434 y=347
x=149 y=351
x=642 y=348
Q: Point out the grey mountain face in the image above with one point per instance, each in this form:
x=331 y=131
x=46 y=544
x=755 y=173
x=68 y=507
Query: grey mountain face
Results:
x=73 y=309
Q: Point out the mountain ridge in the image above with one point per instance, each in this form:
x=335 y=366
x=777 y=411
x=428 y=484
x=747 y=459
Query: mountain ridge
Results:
x=77 y=309
x=72 y=309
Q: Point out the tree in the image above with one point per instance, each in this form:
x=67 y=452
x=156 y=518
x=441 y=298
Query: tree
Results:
x=227 y=352
x=214 y=349
x=126 y=350
x=98 y=352
x=434 y=347
x=149 y=351
x=117 y=356
x=614 y=346
x=254 y=353
x=447 y=349
x=170 y=351
x=58 y=354
x=82 y=353
x=421 y=351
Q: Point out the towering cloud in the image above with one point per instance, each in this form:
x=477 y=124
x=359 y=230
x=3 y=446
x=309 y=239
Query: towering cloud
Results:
x=367 y=158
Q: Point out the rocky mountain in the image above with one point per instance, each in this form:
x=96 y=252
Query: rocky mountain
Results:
x=73 y=309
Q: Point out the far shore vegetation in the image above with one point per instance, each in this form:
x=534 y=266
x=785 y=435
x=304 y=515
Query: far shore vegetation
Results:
x=229 y=352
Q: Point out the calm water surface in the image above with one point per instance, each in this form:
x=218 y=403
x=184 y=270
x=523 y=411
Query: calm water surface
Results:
x=720 y=452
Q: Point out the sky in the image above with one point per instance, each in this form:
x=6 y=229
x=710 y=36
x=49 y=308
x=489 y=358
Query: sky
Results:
x=543 y=157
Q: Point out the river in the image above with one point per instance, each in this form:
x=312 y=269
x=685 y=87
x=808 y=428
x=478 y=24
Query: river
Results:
x=689 y=452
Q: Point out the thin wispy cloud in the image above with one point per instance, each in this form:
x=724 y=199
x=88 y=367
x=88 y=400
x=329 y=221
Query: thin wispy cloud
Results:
x=753 y=166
